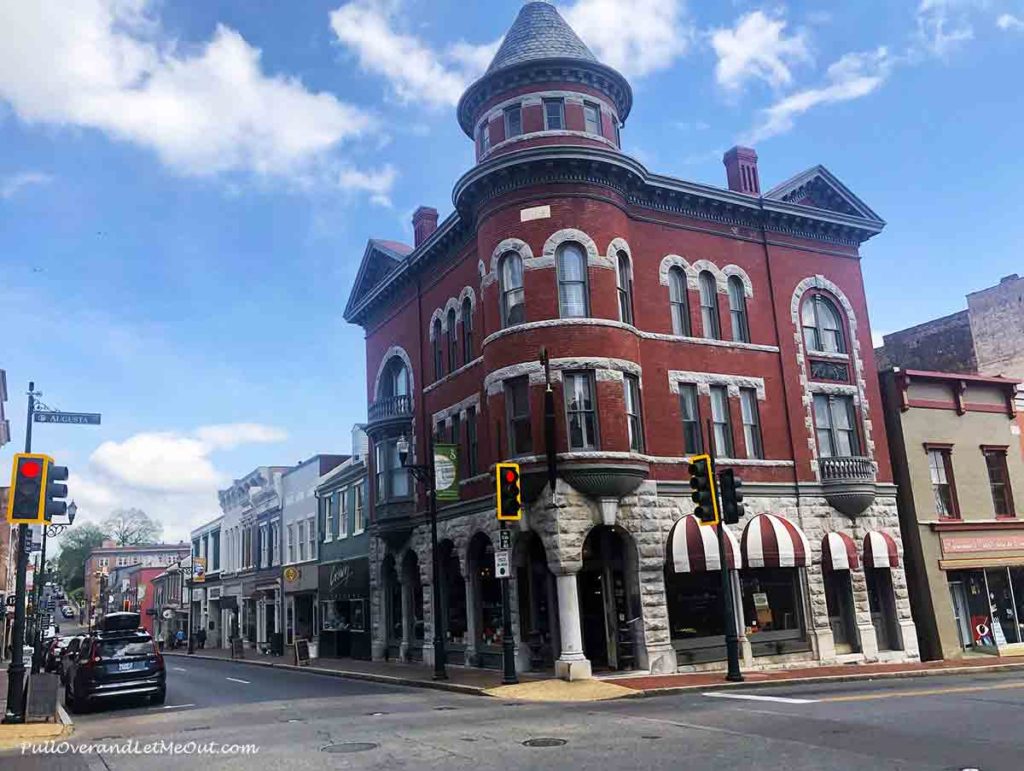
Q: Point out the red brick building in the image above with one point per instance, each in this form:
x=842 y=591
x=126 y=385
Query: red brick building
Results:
x=662 y=304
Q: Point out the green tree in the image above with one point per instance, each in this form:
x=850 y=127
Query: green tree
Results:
x=131 y=527
x=75 y=545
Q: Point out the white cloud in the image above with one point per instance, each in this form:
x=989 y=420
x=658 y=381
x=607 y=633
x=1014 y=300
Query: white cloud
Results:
x=757 y=48
x=377 y=183
x=942 y=25
x=636 y=37
x=853 y=76
x=415 y=71
x=1008 y=21
x=108 y=65
x=172 y=462
x=11 y=184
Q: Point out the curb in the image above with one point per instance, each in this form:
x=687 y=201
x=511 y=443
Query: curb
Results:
x=436 y=685
x=14 y=736
x=847 y=678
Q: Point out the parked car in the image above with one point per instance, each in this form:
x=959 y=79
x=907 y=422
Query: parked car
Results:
x=67 y=655
x=51 y=658
x=66 y=611
x=117 y=660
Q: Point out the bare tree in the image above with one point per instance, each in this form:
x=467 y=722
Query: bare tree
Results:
x=130 y=527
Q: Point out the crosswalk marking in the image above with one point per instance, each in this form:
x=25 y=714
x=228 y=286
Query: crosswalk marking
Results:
x=236 y=680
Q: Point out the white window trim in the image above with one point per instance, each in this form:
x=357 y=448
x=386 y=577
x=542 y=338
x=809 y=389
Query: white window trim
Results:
x=343 y=513
x=328 y=520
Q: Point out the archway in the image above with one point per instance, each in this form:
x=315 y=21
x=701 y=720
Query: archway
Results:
x=486 y=601
x=538 y=602
x=609 y=599
x=453 y=602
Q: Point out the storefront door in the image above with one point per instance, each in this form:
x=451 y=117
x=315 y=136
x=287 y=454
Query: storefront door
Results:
x=839 y=600
x=882 y=603
x=959 y=599
x=595 y=632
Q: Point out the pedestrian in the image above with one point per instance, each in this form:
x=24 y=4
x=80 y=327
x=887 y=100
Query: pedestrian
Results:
x=179 y=638
x=201 y=638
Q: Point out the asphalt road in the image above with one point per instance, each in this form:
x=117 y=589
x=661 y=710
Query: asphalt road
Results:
x=919 y=723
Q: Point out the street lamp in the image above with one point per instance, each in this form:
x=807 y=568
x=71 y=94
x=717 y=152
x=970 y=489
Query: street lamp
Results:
x=189 y=571
x=425 y=473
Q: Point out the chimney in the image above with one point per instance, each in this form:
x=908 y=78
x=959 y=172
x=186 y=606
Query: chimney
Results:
x=108 y=543
x=741 y=170
x=424 y=222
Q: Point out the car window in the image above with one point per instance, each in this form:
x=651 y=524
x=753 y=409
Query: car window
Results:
x=121 y=649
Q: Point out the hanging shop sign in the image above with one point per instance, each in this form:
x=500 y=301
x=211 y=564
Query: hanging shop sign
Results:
x=446 y=472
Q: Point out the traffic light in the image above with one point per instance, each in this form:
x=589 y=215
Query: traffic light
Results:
x=702 y=480
x=26 y=504
x=510 y=496
x=732 y=497
x=55 y=491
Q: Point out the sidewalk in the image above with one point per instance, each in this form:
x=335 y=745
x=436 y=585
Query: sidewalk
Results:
x=652 y=685
x=12 y=736
x=461 y=679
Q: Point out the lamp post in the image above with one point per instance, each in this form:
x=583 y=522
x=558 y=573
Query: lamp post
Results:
x=51 y=530
x=425 y=473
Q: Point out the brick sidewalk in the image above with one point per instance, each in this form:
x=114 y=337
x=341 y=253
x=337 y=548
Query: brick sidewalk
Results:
x=460 y=678
x=659 y=683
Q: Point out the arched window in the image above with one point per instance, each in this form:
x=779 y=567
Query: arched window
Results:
x=738 y=310
x=823 y=330
x=624 y=282
x=513 y=298
x=395 y=381
x=467 y=331
x=453 y=341
x=438 y=352
x=677 y=301
x=573 y=301
x=709 y=305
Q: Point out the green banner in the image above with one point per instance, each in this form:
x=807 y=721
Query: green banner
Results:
x=446 y=472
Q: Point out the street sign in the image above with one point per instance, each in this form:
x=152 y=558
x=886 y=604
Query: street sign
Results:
x=502 y=564
x=504 y=540
x=69 y=418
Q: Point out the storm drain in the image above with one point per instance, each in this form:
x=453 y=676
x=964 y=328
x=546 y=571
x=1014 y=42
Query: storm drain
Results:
x=347 y=747
x=545 y=741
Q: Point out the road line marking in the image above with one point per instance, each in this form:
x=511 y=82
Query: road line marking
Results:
x=753 y=697
x=921 y=692
x=177 y=706
x=179 y=669
x=236 y=680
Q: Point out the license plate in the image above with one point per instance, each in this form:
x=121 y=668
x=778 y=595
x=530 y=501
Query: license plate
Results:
x=127 y=666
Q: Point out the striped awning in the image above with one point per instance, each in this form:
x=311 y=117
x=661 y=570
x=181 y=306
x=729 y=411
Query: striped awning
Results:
x=880 y=550
x=693 y=548
x=839 y=552
x=770 y=541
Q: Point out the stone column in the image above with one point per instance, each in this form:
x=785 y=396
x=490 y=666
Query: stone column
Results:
x=407 y=619
x=862 y=611
x=818 y=627
x=746 y=649
x=472 y=628
x=571 y=664
x=428 y=623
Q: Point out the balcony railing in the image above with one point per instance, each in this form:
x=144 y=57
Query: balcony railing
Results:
x=849 y=483
x=849 y=469
x=390 y=407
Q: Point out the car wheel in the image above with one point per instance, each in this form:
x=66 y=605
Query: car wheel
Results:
x=159 y=697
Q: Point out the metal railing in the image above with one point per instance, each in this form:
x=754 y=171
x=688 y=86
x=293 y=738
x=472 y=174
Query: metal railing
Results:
x=390 y=407
x=854 y=468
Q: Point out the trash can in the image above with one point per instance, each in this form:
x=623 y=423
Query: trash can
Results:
x=277 y=644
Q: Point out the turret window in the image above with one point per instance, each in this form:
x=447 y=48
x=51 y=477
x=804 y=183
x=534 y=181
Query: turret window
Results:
x=625 y=288
x=592 y=118
x=554 y=114
x=513 y=298
x=581 y=410
x=484 y=138
x=467 y=330
x=573 y=301
x=513 y=121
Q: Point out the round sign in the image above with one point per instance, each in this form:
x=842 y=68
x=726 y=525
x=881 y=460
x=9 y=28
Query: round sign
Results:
x=168 y=614
x=444 y=472
x=291 y=575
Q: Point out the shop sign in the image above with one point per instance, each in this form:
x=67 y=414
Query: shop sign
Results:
x=341 y=574
x=446 y=472
x=963 y=544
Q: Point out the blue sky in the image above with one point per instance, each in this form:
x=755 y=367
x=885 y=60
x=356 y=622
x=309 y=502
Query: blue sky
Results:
x=186 y=189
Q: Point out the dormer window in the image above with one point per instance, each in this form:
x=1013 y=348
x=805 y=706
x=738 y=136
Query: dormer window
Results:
x=513 y=121
x=592 y=118
x=554 y=114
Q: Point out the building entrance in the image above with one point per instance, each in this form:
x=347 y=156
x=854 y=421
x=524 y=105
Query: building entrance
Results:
x=608 y=601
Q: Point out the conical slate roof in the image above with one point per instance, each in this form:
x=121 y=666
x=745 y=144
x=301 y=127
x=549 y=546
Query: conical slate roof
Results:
x=539 y=32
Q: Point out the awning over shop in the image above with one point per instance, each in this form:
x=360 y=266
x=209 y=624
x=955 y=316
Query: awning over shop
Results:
x=693 y=548
x=838 y=552
x=880 y=550
x=770 y=541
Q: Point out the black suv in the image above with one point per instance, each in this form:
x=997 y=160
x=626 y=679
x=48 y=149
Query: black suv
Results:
x=119 y=659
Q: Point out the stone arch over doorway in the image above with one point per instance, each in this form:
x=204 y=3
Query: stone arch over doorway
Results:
x=537 y=594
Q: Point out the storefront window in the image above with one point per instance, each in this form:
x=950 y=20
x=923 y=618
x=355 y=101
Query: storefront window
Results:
x=771 y=601
x=978 y=610
x=694 y=604
x=489 y=593
x=1004 y=615
x=336 y=615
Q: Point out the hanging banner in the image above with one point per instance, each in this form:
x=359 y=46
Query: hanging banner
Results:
x=446 y=472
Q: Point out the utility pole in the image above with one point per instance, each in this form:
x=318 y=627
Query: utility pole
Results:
x=15 y=712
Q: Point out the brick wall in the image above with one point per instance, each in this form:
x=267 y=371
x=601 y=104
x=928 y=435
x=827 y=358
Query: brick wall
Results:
x=997 y=324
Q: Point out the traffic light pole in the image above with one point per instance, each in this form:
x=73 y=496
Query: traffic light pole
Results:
x=508 y=647
x=440 y=649
x=15 y=712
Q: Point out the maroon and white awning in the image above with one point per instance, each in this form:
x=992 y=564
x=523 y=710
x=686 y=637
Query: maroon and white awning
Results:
x=693 y=548
x=770 y=541
x=880 y=550
x=838 y=552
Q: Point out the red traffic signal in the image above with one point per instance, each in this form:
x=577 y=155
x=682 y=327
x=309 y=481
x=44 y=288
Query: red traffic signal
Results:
x=27 y=502
x=509 y=492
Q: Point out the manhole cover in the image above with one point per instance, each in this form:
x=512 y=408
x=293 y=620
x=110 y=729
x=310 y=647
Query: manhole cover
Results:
x=650 y=737
x=344 y=747
x=443 y=709
x=545 y=741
